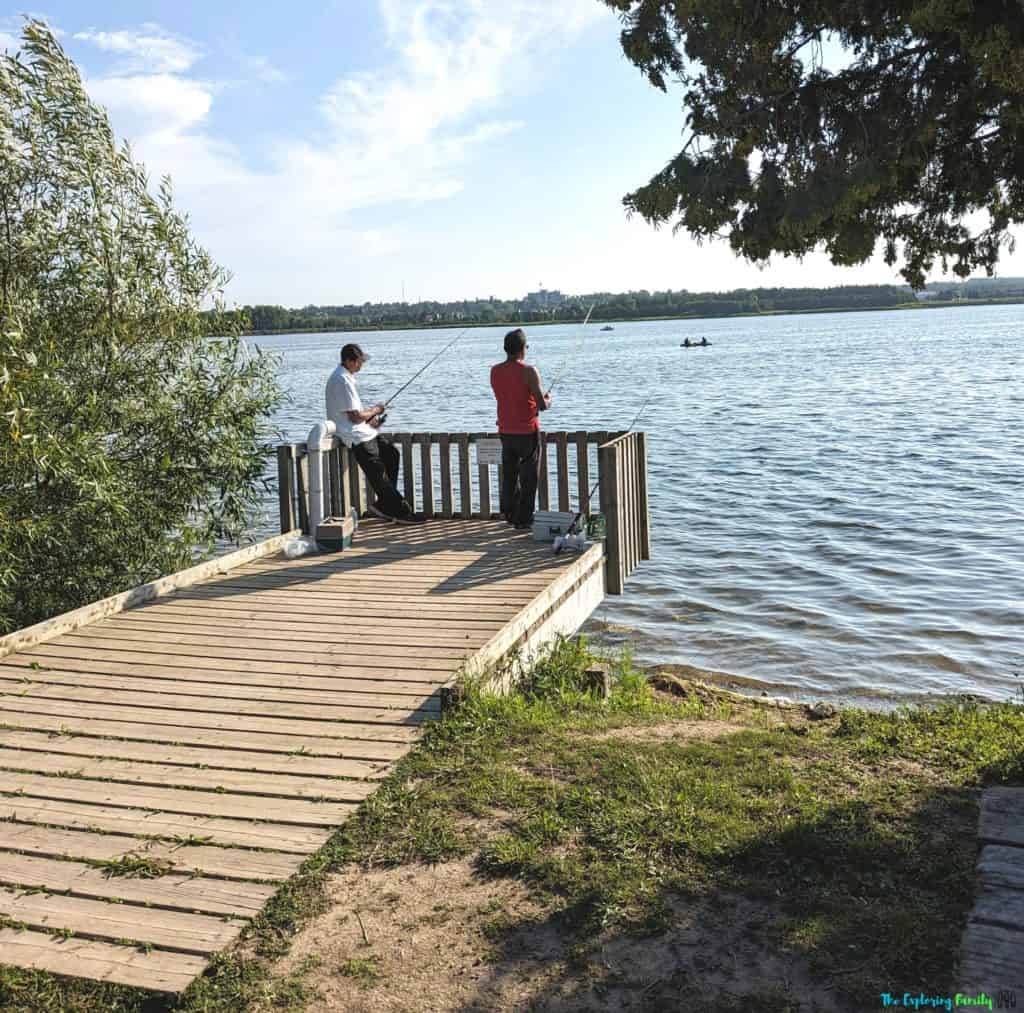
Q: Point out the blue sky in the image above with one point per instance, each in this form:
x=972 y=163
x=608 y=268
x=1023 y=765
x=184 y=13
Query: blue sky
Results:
x=332 y=151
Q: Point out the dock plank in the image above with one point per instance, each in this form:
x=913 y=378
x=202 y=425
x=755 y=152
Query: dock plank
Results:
x=1002 y=817
x=214 y=759
x=285 y=838
x=272 y=742
x=413 y=683
x=98 y=919
x=365 y=666
x=376 y=709
x=263 y=627
x=302 y=649
x=1001 y=867
x=177 y=800
x=173 y=891
x=14 y=682
x=264 y=785
x=226 y=863
x=158 y=970
x=10 y=707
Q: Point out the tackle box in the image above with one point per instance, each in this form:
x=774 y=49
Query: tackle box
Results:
x=335 y=533
x=549 y=524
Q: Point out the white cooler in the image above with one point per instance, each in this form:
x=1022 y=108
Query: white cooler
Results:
x=549 y=524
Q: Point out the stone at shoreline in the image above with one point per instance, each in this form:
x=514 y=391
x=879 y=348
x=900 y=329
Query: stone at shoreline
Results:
x=821 y=711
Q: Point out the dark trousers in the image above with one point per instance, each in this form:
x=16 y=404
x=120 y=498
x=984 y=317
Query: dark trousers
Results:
x=379 y=460
x=520 y=461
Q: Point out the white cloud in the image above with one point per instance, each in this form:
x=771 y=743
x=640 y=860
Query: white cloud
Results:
x=148 y=49
x=9 y=42
x=146 y=104
x=263 y=70
x=402 y=132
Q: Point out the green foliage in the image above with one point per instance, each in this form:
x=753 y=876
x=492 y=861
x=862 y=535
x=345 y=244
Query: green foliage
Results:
x=920 y=126
x=130 y=439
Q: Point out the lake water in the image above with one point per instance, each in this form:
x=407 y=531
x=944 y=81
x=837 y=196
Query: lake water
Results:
x=836 y=499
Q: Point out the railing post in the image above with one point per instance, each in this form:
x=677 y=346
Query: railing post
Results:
x=629 y=503
x=302 y=486
x=644 y=506
x=582 y=473
x=444 y=450
x=465 y=487
x=427 y=475
x=543 y=492
x=334 y=479
x=345 y=464
x=562 y=469
x=608 y=475
x=408 y=475
x=483 y=474
x=285 y=485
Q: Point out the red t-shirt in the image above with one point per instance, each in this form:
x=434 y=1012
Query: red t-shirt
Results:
x=517 y=407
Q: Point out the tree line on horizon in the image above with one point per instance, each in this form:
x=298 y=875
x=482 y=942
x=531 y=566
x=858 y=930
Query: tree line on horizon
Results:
x=550 y=307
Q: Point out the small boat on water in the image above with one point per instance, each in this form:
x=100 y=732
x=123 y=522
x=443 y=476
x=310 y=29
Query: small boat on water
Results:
x=607 y=327
x=703 y=343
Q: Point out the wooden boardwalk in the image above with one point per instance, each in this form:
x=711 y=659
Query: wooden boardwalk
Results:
x=164 y=768
x=992 y=949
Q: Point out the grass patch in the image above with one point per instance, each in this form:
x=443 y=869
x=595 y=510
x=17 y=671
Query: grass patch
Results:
x=132 y=866
x=366 y=971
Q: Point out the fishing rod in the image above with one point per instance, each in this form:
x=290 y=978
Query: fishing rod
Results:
x=569 y=354
x=574 y=527
x=383 y=415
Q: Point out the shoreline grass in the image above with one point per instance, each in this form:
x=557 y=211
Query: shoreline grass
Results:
x=854 y=835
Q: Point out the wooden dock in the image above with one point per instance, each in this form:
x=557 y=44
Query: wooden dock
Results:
x=170 y=756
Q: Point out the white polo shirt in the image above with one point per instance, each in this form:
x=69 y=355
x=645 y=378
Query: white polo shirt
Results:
x=342 y=397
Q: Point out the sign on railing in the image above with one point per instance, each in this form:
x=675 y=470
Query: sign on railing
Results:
x=451 y=475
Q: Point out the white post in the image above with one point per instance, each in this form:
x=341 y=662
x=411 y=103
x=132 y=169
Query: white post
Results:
x=321 y=439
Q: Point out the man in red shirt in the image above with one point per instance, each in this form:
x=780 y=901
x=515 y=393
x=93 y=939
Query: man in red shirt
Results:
x=520 y=398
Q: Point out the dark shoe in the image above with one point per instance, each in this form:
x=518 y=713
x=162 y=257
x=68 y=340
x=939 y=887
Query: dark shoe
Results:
x=377 y=512
x=411 y=519
x=523 y=527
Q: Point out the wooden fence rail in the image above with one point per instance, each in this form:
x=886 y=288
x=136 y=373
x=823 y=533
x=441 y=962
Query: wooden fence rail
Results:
x=444 y=475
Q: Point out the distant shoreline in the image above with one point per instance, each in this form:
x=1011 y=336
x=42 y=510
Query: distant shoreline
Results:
x=459 y=324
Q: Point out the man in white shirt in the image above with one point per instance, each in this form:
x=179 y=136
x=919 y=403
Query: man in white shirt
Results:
x=358 y=428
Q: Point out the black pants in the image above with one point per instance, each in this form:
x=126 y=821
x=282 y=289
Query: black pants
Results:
x=520 y=461
x=379 y=460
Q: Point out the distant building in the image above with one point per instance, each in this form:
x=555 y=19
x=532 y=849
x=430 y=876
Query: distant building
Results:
x=545 y=297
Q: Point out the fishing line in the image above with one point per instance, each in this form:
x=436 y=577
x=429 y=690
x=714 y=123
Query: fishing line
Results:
x=573 y=528
x=383 y=415
x=572 y=351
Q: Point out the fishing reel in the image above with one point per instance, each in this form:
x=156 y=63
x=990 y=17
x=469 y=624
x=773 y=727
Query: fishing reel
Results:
x=574 y=541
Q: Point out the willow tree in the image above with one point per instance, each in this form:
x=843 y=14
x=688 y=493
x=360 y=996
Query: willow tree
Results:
x=840 y=125
x=131 y=441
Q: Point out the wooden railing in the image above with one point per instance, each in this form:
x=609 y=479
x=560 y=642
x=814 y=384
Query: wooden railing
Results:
x=442 y=475
x=622 y=467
